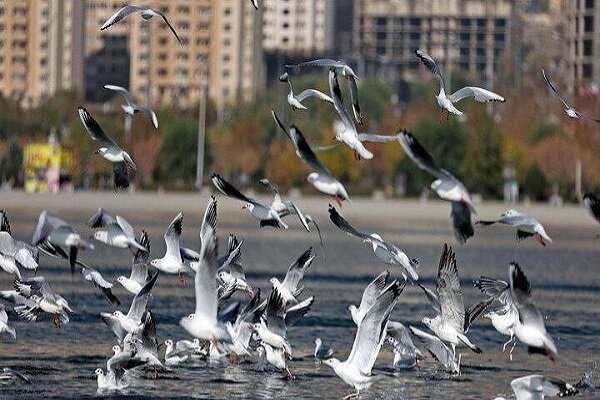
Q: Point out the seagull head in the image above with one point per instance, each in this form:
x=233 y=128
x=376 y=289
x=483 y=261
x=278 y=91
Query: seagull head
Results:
x=102 y=150
x=284 y=77
x=118 y=314
x=101 y=236
x=121 y=279
x=332 y=362
x=274 y=281
x=155 y=262
x=509 y=213
x=99 y=372
x=427 y=321
x=318 y=342
x=168 y=343
x=116 y=349
x=353 y=310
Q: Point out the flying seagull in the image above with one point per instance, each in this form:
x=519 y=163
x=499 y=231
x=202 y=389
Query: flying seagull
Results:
x=356 y=370
x=384 y=252
x=146 y=12
x=321 y=179
x=438 y=350
x=570 y=111
x=449 y=324
x=258 y=210
x=346 y=71
x=537 y=387
x=369 y=297
x=4 y=324
x=117 y=231
x=296 y=101
x=526 y=226
x=131 y=108
x=446 y=186
x=406 y=354
x=14 y=253
x=349 y=135
x=289 y=289
x=57 y=232
x=139 y=268
x=44 y=300
x=123 y=165
x=446 y=102
x=530 y=327
x=172 y=261
x=592 y=204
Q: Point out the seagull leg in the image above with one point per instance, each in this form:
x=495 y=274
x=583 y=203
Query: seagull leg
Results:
x=539 y=239
x=512 y=348
x=181 y=279
x=57 y=320
x=417 y=364
x=287 y=375
x=507 y=343
x=338 y=200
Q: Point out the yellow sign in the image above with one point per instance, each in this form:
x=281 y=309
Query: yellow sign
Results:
x=44 y=163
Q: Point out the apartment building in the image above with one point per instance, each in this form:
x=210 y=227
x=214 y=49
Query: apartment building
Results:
x=582 y=31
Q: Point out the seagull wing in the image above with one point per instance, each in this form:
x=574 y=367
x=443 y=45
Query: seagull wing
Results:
x=592 y=204
x=521 y=293
x=448 y=289
x=322 y=62
x=313 y=93
x=114 y=325
x=461 y=222
x=47 y=223
x=431 y=65
x=421 y=156
x=345 y=226
x=435 y=347
x=305 y=153
x=210 y=217
x=94 y=130
x=338 y=101
x=275 y=314
x=119 y=15
x=124 y=92
x=164 y=17
x=299 y=214
x=125 y=227
x=140 y=300
x=373 y=291
x=554 y=89
x=433 y=299
x=477 y=93
x=354 y=97
x=368 y=137
x=529 y=387
x=297 y=270
x=229 y=190
x=372 y=329
x=205 y=284
x=280 y=124
x=122 y=176
x=172 y=236
x=142 y=256
x=101 y=219
x=4 y=223
x=296 y=312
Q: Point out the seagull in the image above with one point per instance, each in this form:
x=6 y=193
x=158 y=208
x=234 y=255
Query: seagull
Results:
x=296 y=101
x=120 y=323
x=123 y=165
x=503 y=318
x=369 y=297
x=172 y=262
x=592 y=204
x=241 y=329
x=131 y=108
x=57 y=232
x=438 y=350
x=356 y=370
x=349 y=135
x=446 y=102
x=384 y=252
x=530 y=328
x=449 y=324
x=17 y=253
x=146 y=12
x=93 y=276
x=406 y=354
x=322 y=351
x=346 y=71
x=570 y=111
x=44 y=300
x=174 y=356
x=254 y=3
x=5 y=227
x=139 y=268
x=117 y=233
x=4 y=324
x=272 y=328
x=289 y=287
x=230 y=272
x=537 y=387
x=276 y=358
x=258 y=210
x=446 y=186
x=526 y=226
x=321 y=179
x=203 y=323
x=146 y=345
x=9 y=374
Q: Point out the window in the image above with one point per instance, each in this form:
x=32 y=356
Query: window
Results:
x=589 y=4
x=586 y=70
x=500 y=22
x=588 y=24
x=587 y=47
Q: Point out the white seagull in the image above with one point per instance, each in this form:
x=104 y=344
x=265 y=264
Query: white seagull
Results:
x=14 y=253
x=4 y=328
x=44 y=300
x=446 y=186
x=449 y=324
x=321 y=179
x=530 y=328
x=384 y=252
x=526 y=226
x=272 y=328
x=570 y=111
x=123 y=165
x=537 y=387
x=289 y=289
x=406 y=354
x=146 y=13
x=446 y=101
x=139 y=268
x=258 y=210
x=296 y=101
x=369 y=297
x=356 y=370
x=172 y=262
x=438 y=350
x=131 y=108
x=203 y=323
x=117 y=233
x=322 y=351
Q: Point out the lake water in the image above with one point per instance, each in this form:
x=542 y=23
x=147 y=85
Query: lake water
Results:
x=566 y=287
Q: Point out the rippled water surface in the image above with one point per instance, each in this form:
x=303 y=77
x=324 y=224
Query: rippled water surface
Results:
x=565 y=277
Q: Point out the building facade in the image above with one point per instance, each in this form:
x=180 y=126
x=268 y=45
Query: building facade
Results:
x=582 y=31
x=473 y=36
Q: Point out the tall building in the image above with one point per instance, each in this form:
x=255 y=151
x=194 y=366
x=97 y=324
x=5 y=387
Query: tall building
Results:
x=40 y=48
x=582 y=31
x=298 y=26
x=236 y=69
x=469 y=35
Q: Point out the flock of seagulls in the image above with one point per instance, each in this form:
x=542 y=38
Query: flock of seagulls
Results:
x=219 y=328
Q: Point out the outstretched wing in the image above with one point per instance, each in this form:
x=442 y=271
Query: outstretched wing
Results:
x=94 y=130
x=124 y=92
x=164 y=17
x=229 y=190
x=478 y=94
x=592 y=204
x=431 y=65
x=297 y=270
x=345 y=226
x=119 y=15
x=374 y=290
x=554 y=89
x=101 y=219
x=313 y=93
x=421 y=156
x=305 y=153
x=448 y=289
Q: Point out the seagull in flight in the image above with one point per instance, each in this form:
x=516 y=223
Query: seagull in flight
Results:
x=123 y=165
x=570 y=111
x=592 y=204
x=530 y=328
x=14 y=253
x=172 y=261
x=438 y=350
x=384 y=252
x=146 y=12
x=346 y=71
x=321 y=178
x=131 y=108
x=446 y=186
x=449 y=324
x=356 y=370
x=139 y=268
x=446 y=101
x=406 y=354
x=259 y=211
x=117 y=233
x=296 y=101
x=526 y=226
x=43 y=300
x=289 y=289
x=369 y=297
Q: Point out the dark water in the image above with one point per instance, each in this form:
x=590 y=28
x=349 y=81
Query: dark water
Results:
x=565 y=277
